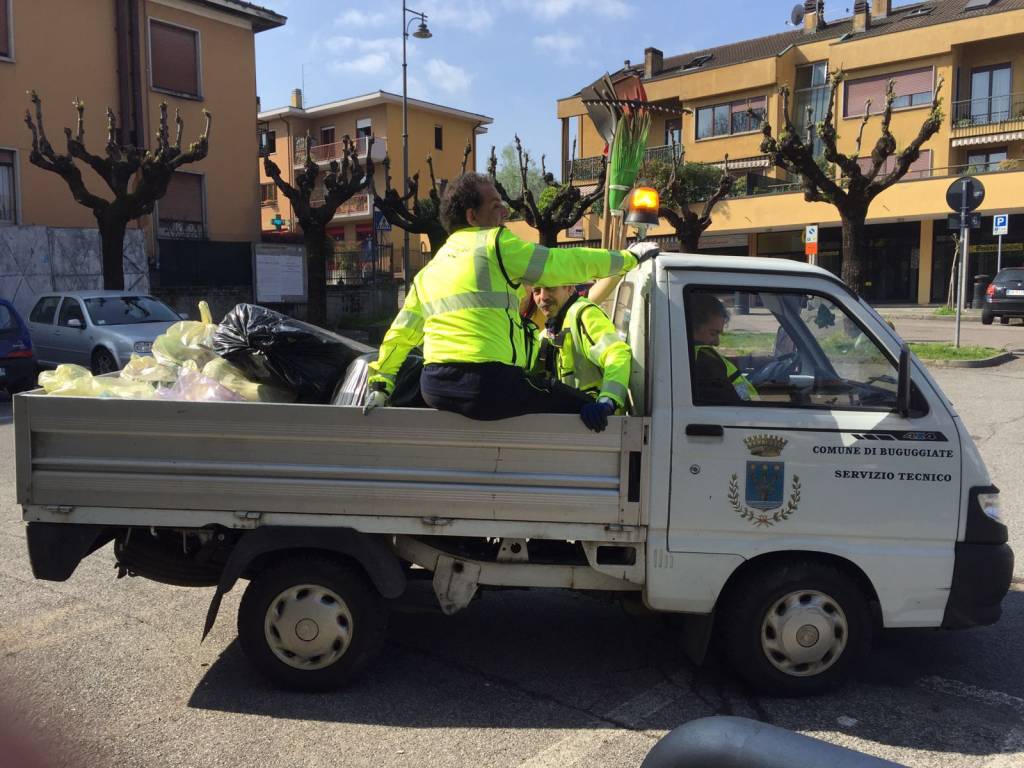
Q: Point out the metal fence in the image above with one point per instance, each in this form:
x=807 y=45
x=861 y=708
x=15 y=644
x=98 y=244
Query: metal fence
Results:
x=360 y=265
x=988 y=110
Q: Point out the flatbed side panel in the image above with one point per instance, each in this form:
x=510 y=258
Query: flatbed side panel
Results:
x=318 y=460
x=23 y=446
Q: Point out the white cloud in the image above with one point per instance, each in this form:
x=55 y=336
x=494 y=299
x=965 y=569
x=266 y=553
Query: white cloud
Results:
x=356 y=18
x=370 y=64
x=469 y=15
x=562 y=46
x=556 y=9
x=451 y=79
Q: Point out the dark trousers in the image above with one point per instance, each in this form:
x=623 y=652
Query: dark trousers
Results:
x=490 y=391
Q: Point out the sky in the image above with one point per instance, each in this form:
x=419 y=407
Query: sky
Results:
x=507 y=59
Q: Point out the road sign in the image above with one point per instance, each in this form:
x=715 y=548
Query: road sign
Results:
x=380 y=223
x=973 y=221
x=277 y=221
x=811 y=233
x=975 y=193
x=1001 y=224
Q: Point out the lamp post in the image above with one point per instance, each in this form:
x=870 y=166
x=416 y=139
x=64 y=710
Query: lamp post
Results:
x=421 y=33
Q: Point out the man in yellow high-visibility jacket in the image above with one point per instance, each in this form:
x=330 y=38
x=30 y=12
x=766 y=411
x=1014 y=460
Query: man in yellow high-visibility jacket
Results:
x=463 y=306
x=716 y=379
x=580 y=347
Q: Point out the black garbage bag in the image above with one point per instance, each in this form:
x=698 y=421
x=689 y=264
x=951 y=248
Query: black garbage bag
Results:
x=352 y=389
x=272 y=348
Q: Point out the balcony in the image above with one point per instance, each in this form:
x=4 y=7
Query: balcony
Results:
x=325 y=153
x=990 y=115
x=355 y=206
x=589 y=168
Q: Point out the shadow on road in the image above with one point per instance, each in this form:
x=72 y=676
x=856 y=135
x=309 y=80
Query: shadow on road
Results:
x=562 y=660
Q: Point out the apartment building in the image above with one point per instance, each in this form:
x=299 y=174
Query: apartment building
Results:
x=438 y=131
x=976 y=47
x=130 y=55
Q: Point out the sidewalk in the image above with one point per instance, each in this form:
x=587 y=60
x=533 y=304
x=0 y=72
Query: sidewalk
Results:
x=924 y=312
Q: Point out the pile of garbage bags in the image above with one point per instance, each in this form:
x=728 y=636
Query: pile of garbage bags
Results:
x=254 y=355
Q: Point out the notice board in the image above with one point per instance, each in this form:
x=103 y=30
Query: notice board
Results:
x=279 y=273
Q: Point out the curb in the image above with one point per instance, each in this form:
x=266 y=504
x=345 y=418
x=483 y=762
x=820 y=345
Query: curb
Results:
x=988 y=362
x=937 y=318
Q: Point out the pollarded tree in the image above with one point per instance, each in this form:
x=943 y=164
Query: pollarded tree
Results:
x=559 y=206
x=151 y=171
x=681 y=185
x=409 y=212
x=858 y=184
x=340 y=183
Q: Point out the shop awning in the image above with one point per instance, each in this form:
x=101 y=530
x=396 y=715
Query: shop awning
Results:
x=991 y=138
x=746 y=162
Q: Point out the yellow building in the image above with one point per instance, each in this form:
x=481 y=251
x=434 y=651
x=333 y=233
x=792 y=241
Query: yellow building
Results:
x=435 y=130
x=976 y=47
x=131 y=55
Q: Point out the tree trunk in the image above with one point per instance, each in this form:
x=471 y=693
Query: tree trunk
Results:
x=318 y=246
x=112 y=231
x=689 y=236
x=547 y=238
x=854 y=250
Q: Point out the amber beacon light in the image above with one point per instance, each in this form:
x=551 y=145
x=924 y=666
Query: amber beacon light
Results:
x=643 y=207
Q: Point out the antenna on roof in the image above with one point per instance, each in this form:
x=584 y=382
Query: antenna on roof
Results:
x=796 y=16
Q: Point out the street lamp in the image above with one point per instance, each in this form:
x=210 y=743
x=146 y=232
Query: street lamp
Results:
x=421 y=33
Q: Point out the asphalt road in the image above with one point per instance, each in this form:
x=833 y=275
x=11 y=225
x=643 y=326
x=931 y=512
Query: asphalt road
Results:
x=971 y=333
x=104 y=672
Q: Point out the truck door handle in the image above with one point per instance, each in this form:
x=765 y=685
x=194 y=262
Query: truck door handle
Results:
x=704 y=430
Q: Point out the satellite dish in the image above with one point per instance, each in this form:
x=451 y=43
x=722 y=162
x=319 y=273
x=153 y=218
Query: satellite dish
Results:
x=796 y=17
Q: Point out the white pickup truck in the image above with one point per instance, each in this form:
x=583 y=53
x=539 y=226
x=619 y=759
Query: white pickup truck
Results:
x=845 y=497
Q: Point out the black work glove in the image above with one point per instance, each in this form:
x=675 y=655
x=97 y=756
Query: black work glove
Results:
x=595 y=415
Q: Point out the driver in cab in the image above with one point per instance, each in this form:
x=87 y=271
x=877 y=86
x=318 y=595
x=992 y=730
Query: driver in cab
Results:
x=717 y=380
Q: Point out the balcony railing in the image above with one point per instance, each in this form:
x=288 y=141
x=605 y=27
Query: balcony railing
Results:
x=589 y=168
x=324 y=153
x=990 y=110
x=357 y=205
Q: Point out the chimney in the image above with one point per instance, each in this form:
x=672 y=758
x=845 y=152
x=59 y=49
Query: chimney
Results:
x=880 y=8
x=654 y=61
x=297 y=98
x=814 y=16
x=625 y=64
x=861 y=16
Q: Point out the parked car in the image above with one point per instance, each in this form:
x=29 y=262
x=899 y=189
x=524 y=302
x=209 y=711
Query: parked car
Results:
x=18 y=366
x=1004 y=297
x=97 y=329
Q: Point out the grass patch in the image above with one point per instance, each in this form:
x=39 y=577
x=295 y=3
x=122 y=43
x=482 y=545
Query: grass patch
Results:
x=935 y=350
x=738 y=343
x=943 y=311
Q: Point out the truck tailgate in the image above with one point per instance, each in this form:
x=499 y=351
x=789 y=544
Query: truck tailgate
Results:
x=321 y=460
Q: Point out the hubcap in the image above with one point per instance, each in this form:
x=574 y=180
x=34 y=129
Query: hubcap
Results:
x=804 y=633
x=308 y=626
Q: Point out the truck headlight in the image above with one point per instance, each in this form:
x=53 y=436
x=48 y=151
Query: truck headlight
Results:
x=989 y=503
x=143 y=347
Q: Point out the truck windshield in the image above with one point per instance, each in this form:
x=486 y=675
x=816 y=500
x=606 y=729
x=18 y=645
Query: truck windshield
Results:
x=128 y=310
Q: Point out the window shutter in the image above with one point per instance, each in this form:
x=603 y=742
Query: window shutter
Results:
x=907 y=83
x=5 y=30
x=174 y=53
x=184 y=199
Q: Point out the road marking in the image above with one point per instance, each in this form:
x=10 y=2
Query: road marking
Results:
x=968 y=691
x=629 y=714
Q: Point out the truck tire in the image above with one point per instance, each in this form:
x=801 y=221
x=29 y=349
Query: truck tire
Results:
x=796 y=630
x=309 y=624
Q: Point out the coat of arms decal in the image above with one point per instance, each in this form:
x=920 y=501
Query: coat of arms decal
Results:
x=764 y=502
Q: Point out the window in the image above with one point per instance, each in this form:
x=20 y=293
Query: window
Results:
x=913 y=89
x=6 y=41
x=364 y=127
x=919 y=169
x=128 y=310
x=268 y=142
x=268 y=194
x=674 y=131
x=8 y=189
x=438 y=137
x=985 y=162
x=44 y=310
x=726 y=119
x=326 y=135
x=812 y=76
x=174 y=58
x=990 y=94
x=181 y=209
x=71 y=310
x=785 y=349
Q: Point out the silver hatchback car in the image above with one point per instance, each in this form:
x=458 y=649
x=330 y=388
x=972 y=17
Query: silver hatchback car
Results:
x=97 y=329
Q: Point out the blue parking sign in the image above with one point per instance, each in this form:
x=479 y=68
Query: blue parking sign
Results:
x=1001 y=224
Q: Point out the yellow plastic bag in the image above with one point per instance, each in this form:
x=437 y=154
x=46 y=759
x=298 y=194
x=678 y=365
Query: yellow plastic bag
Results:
x=230 y=376
x=148 y=369
x=76 y=381
x=187 y=340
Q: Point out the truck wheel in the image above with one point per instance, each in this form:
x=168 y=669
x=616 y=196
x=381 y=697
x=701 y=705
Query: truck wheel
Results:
x=796 y=630
x=310 y=624
x=987 y=317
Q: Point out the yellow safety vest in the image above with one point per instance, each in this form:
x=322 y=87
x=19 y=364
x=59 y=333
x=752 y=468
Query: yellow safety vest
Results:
x=464 y=305
x=739 y=382
x=591 y=355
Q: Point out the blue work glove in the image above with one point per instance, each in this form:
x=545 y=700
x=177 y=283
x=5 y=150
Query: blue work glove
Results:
x=595 y=415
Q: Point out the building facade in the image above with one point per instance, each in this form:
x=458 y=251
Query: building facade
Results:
x=434 y=130
x=132 y=55
x=974 y=47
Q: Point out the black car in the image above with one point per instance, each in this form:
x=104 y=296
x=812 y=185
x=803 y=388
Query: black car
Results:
x=18 y=368
x=1004 y=297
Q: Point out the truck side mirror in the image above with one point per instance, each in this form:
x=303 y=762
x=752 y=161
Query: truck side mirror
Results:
x=903 y=385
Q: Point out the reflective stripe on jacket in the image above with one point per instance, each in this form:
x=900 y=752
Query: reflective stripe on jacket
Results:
x=464 y=304
x=739 y=382
x=592 y=357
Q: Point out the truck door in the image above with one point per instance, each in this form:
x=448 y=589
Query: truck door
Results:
x=785 y=434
